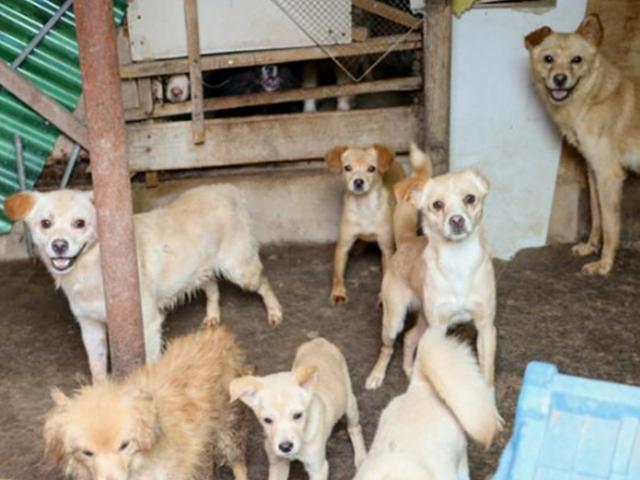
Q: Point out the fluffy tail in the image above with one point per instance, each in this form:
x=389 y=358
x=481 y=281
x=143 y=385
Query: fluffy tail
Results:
x=452 y=369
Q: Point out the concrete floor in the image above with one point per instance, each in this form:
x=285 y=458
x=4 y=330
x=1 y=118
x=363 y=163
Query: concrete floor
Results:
x=546 y=311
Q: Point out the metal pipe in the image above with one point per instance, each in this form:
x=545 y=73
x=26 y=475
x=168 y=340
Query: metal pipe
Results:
x=107 y=138
x=22 y=182
x=71 y=163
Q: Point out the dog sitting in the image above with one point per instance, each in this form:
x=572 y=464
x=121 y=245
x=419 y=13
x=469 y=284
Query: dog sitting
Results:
x=597 y=111
x=182 y=247
x=421 y=433
x=171 y=419
x=298 y=409
x=368 y=210
x=449 y=277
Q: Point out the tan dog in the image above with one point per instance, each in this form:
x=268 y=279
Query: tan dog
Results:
x=596 y=109
x=298 y=409
x=447 y=279
x=168 y=420
x=368 y=210
x=181 y=248
x=421 y=433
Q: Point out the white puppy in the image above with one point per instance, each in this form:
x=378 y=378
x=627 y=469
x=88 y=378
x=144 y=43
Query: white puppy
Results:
x=177 y=88
x=182 y=247
x=299 y=409
x=421 y=434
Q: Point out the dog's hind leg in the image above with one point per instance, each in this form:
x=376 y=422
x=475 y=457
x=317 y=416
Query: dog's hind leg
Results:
x=411 y=339
x=212 y=317
x=153 y=334
x=94 y=338
x=592 y=245
x=354 y=428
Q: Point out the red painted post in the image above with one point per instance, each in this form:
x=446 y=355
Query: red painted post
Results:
x=112 y=189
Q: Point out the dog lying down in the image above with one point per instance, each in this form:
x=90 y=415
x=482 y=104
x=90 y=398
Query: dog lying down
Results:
x=171 y=419
x=183 y=247
x=298 y=409
x=421 y=433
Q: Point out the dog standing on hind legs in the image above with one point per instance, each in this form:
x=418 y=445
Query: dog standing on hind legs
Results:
x=597 y=111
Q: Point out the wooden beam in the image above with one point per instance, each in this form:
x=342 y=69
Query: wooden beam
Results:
x=268 y=98
x=269 y=138
x=437 y=79
x=51 y=110
x=195 y=73
x=250 y=59
x=386 y=11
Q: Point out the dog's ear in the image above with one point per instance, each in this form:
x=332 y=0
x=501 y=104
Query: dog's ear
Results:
x=333 y=158
x=592 y=30
x=54 y=432
x=536 y=37
x=147 y=426
x=89 y=195
x=245 y=389
x=410 y=190
x=479 y=180
x=19 y=205
x=386 y=156
x=421 y=163
x=306 y=377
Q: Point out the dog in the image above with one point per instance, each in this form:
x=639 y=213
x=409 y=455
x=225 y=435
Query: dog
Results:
x=596 y=109
x=169 y=419
x=446 y=277
x=183 y=247
x=298 y=409
x=368 y=214
x=421 y=433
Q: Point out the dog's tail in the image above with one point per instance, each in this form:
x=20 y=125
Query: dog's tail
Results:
x=405 y=215
x=452 y=370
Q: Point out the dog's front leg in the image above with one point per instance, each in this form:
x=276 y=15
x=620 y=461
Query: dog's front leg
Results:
x=595 y=237
x=338 y=291
x=317 y=469
x=94 y=337
x=278 y=467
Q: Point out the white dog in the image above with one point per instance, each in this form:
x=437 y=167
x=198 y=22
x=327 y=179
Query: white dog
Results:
x=182 y=247
x=421 y=434
x=299 y=409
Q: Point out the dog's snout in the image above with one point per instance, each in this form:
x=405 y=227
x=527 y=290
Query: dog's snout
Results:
x=457 y=222
x=59 y=246
x=560 y=79
x=285 y=447
x=358 y=183
x=176 y=91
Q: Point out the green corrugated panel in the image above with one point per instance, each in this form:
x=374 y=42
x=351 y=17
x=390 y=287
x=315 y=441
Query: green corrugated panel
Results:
x=53 y=67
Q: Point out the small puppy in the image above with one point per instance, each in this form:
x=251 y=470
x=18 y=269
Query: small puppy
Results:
x=298 y=409
x=421 y=433
x=368 y=210
x=171 y=419
x=597 y=111
x=182 y=247
x=449 y=278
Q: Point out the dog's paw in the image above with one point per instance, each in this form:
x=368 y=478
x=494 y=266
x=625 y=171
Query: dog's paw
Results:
x=584 y=249
x=374 y=381
x=338 y=295
x=210 y=322
x=600 y=267
x=274 y=317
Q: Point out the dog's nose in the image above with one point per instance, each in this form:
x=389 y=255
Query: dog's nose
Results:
x=176 y=91
x=457 y=222
x=59 y=246
x=358 y=183
x=285 y=447
x=560 y=79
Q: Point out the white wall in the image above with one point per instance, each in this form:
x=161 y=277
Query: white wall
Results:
x=499 y=126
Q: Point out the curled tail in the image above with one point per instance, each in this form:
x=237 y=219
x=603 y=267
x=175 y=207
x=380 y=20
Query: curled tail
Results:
x=453 y=371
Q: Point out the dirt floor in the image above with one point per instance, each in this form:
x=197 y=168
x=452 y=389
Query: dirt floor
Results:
x=546 y=311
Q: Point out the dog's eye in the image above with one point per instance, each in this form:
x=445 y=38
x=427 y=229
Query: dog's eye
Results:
x=297 y=415
x=267 y=420
x=87 y=453
x=347 y=168
x=576 y=60
x=45 y=223
x=124 y=445
x=438 y=205
x=79 y=223
x=371 y=169
x=469 y=199
x=548 y=59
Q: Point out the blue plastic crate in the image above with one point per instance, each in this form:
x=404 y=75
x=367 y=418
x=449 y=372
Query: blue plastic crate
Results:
x=572 y=428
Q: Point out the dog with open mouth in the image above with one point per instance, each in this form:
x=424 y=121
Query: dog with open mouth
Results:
x=183 y=247
x=596 y=110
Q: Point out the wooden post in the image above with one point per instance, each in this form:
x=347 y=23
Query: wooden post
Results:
x=110 y=171
x=195 y=72
x=437 y=80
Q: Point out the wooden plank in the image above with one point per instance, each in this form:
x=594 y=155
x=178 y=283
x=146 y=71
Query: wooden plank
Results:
x=238 y=141
x=22 y=88
x=386 y=11
x=250 y=59
x=256 y=99
x=195 y=73
x=437 y=79
x=145 y=95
